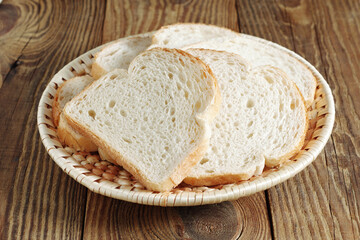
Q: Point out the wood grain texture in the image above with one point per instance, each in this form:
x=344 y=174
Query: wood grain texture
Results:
x=315 y=203
x=37 y=200
x=339 y=21
x=107 y=218
x=127 y=17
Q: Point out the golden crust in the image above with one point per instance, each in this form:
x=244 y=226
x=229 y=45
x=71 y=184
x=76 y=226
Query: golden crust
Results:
x=216 y=179
x=56 y=111
x=97 y=71
x=70 y=137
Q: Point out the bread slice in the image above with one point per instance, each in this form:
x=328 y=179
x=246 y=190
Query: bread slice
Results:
x=104 y=156
x=183 y=34
x=66 y=134
x=72 y=138
x=262 y=120
x=66 y=92
x=259 y=53
x=119 y=54
x=154 y=120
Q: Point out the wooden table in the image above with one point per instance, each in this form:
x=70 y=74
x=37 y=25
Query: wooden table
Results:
x=39 y=201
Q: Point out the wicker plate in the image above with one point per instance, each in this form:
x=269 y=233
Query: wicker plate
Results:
x=113 y=181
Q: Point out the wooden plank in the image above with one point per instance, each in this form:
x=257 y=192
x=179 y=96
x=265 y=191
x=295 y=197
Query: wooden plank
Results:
x=15 y=33
x=126 y=17
x=112 y=219
x=321 y=201
x=37 y=200
x=338 y=27
x=108 y=218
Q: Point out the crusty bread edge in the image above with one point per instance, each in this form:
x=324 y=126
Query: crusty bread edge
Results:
x=104 y=156
x=66 y=136
x=56 y=111
x=217 y=179
x=97 y=71
x=56 y=107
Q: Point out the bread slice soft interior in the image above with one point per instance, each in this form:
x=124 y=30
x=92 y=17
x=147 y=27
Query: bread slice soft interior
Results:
x=259 y=53
x=119 y=54
x=72 y=138
x=262 y=120
x=153 y=120
x=66 y=92
x=183 y=34
x=66 y=134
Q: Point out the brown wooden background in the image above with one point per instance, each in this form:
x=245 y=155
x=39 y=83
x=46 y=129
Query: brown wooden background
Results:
x=39 y=201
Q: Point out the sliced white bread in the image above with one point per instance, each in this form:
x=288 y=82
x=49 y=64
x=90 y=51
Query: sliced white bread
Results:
x=66 y=134
x=259 y=53
x=72 y=138
x=153 y=120
x=119 y=54
x=66 y=92
x=262 y=120
x=104 y=156
x=183 y=34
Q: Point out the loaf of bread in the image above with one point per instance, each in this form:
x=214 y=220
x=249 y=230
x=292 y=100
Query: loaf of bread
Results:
x=154 y=119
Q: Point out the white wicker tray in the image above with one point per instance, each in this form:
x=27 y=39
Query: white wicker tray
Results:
x=113 y=181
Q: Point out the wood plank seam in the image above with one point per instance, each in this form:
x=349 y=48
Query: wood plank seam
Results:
x=329 y=205
x=343 y=180
x=331 y=137
x=268 y=207
x=238 y=16
x=288 y=19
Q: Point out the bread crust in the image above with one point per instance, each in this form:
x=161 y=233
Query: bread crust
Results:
x=56 y=111
x=56 y=108
x=104 y=156
x=70 y=137
x=97 y=71
x=216 y=179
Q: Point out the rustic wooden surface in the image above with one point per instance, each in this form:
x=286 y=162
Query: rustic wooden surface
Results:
x=39 y=201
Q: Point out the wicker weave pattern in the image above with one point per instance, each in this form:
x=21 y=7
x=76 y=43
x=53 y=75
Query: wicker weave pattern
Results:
x=113 y=181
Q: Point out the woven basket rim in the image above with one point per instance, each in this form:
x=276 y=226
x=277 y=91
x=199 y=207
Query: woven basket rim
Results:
x=322 y=132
